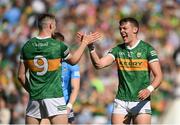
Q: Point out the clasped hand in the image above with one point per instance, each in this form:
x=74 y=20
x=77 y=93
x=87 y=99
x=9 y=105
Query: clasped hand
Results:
x=88 y=39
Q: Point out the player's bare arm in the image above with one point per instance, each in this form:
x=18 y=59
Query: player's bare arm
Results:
x=100 y=62
x=157 y=73
x=85 y=40
x=22 y=75
x=75 y=84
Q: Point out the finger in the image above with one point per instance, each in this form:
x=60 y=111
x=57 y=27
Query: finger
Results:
x=78 y=39
x=80 y=36
x=68 y=109
x=81 y=33
x=141 y=94
x=96 y=37
x=93 y=40
x=144 y=95
x=92 y=37
x=140 y=97
x=140 y=91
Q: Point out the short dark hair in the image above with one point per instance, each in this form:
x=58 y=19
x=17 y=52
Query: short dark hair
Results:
x=58 y=35
x=131 y=20
x=42 y=19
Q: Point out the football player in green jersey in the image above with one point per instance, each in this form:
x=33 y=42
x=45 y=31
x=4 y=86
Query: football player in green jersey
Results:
x=70 y=84
x=40 y=69
x=135 y=59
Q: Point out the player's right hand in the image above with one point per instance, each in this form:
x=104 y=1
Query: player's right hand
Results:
x=143 y=94
x=68 y=110
x=88 y=39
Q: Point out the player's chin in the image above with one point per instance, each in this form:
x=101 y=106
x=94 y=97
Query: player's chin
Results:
x=125 y=39
x=126 y=42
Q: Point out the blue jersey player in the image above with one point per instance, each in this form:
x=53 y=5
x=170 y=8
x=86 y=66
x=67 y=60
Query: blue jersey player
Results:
x=70 y=84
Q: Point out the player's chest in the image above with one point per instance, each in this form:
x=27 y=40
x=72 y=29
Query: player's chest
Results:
x=132 y=54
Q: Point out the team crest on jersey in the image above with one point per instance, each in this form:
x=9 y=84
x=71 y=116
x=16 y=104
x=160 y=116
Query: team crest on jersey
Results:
x=153 y=53
x=138 y=54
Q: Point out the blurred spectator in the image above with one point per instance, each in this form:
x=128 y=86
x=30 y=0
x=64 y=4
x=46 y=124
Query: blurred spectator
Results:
x=19 y=109
x=4 y=111
x=13 y=13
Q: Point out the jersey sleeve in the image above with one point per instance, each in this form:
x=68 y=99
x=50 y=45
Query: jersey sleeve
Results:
x=112 y=52
x=64 y=51
x=75 y=72
x=22 y=55
x=152 y=55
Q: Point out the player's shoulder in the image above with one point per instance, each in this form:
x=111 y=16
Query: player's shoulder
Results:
x=145 y=44
x=147 y=47
x=54 y=40
x=117 y=48
x=28 y=42
x=33 y=39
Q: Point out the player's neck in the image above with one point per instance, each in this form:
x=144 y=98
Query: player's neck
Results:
x=133 y=42
x=44 y=34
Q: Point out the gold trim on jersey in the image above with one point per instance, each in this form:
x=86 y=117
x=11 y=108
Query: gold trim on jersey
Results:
x=53 y=64
x=132 y=64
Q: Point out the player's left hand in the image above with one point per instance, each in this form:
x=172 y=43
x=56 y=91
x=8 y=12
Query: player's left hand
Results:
x=143 y=94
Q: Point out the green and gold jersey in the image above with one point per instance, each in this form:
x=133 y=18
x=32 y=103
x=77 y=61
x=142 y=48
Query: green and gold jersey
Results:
x=42 y=57
x=133 y=68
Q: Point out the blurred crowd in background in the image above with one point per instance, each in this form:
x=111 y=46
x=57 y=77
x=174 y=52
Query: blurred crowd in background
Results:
x=159 y=25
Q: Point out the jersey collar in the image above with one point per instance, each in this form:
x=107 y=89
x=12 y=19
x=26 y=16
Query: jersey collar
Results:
x=130 y=48
x=38 y=37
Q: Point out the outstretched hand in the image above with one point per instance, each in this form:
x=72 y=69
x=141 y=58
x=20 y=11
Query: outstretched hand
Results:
x=88 y=39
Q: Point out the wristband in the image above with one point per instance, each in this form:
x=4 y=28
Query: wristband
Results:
x=69 y=105
x=150 y=88
x=92 y=51
x=91 y=47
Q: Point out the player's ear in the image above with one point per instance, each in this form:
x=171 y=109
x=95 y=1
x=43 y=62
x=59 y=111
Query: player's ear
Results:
x=135 y=30
x=50 y=26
